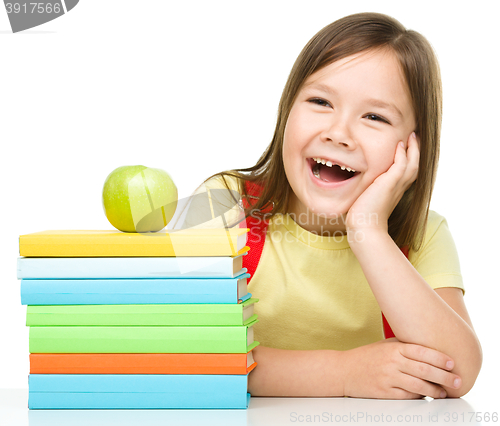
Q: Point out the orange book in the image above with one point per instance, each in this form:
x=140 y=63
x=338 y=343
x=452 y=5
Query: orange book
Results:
x=141 y=363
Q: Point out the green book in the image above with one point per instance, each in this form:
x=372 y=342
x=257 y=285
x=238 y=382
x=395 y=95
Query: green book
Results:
x=122 y=315
x=155 y=339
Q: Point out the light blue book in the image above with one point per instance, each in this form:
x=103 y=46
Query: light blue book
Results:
x=137 y=391
x=134 y=291
x=129 y=267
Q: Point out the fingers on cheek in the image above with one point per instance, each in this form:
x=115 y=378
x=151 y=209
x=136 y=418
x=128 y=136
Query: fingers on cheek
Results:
x=415 y=172
x=412 y=171
x=402 y=149
x=400 y=161
x=415 y=156
x=403 y=155
x=414 y=140
x=411 y=167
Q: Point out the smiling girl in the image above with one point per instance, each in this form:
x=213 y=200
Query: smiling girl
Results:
x=341 y=199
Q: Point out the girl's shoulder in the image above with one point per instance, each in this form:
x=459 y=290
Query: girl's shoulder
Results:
x=435 y=223
x=437 y=238
x=437 y=259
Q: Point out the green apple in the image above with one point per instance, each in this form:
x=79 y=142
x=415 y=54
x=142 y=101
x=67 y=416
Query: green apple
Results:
x=139 y=198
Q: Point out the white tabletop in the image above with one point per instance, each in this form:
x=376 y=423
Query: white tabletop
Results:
x=261 y=411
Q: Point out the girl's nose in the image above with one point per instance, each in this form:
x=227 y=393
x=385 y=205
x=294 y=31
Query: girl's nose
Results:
x=338 y=132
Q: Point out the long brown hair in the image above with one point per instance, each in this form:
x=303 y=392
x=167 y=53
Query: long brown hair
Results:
x=345 y=37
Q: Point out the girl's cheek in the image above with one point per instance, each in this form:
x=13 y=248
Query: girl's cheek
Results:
x=379 y=160
x=387 y=161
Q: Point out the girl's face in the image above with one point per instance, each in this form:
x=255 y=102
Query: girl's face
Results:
x=351 y=114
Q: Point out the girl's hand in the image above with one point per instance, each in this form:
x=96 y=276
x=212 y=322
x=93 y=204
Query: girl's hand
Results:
x=390 y=369
x=374 y=206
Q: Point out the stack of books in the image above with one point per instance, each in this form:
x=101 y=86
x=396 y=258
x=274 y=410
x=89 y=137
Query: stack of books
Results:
x=123 y=320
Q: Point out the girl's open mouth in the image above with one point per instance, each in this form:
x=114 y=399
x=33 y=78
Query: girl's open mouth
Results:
x=333 y=173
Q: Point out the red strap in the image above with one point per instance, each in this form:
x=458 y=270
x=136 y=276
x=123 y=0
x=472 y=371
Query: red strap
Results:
x=388 y=333
x=257 y=233
x=257 y=238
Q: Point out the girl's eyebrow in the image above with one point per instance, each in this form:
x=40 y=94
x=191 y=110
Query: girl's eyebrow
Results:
x=320 y=86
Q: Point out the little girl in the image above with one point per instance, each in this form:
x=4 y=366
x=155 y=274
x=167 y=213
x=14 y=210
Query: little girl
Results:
x=340 y=200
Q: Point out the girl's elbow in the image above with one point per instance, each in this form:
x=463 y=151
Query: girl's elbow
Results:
x=468 y=372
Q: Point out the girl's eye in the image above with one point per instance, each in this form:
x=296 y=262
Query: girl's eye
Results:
x=375 y=117
x=319 y=101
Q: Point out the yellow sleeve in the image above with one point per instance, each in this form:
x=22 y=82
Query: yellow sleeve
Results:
x=213 y=205
x=437 y=260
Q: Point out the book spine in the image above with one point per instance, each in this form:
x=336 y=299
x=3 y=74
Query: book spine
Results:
x=116 y=267
x=125 y=292
x=63 y=247
x=159 y=339
x=85 y=391
x=139 y=315
x=140 y=364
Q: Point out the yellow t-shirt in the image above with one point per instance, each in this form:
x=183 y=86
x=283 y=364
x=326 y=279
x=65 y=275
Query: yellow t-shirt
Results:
x=312 y=291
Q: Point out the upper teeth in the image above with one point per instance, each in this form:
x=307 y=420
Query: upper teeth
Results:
x=330 y=164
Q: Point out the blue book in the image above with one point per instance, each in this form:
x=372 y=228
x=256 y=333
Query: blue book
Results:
x=137 y=391
x=129 y=267
x=134 y=291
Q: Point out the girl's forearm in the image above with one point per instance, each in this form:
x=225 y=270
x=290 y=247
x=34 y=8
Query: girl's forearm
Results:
x=416 y=313
x=281 y=372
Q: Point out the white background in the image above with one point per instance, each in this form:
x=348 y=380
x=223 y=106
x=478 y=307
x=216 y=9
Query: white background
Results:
x=193 y=87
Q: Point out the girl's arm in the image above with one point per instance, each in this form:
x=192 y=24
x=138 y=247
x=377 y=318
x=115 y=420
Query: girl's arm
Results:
x=386 y=369
x=282 y=372
x=417 y=313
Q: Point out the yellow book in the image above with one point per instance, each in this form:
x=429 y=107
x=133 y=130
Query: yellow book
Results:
x=185 y=242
